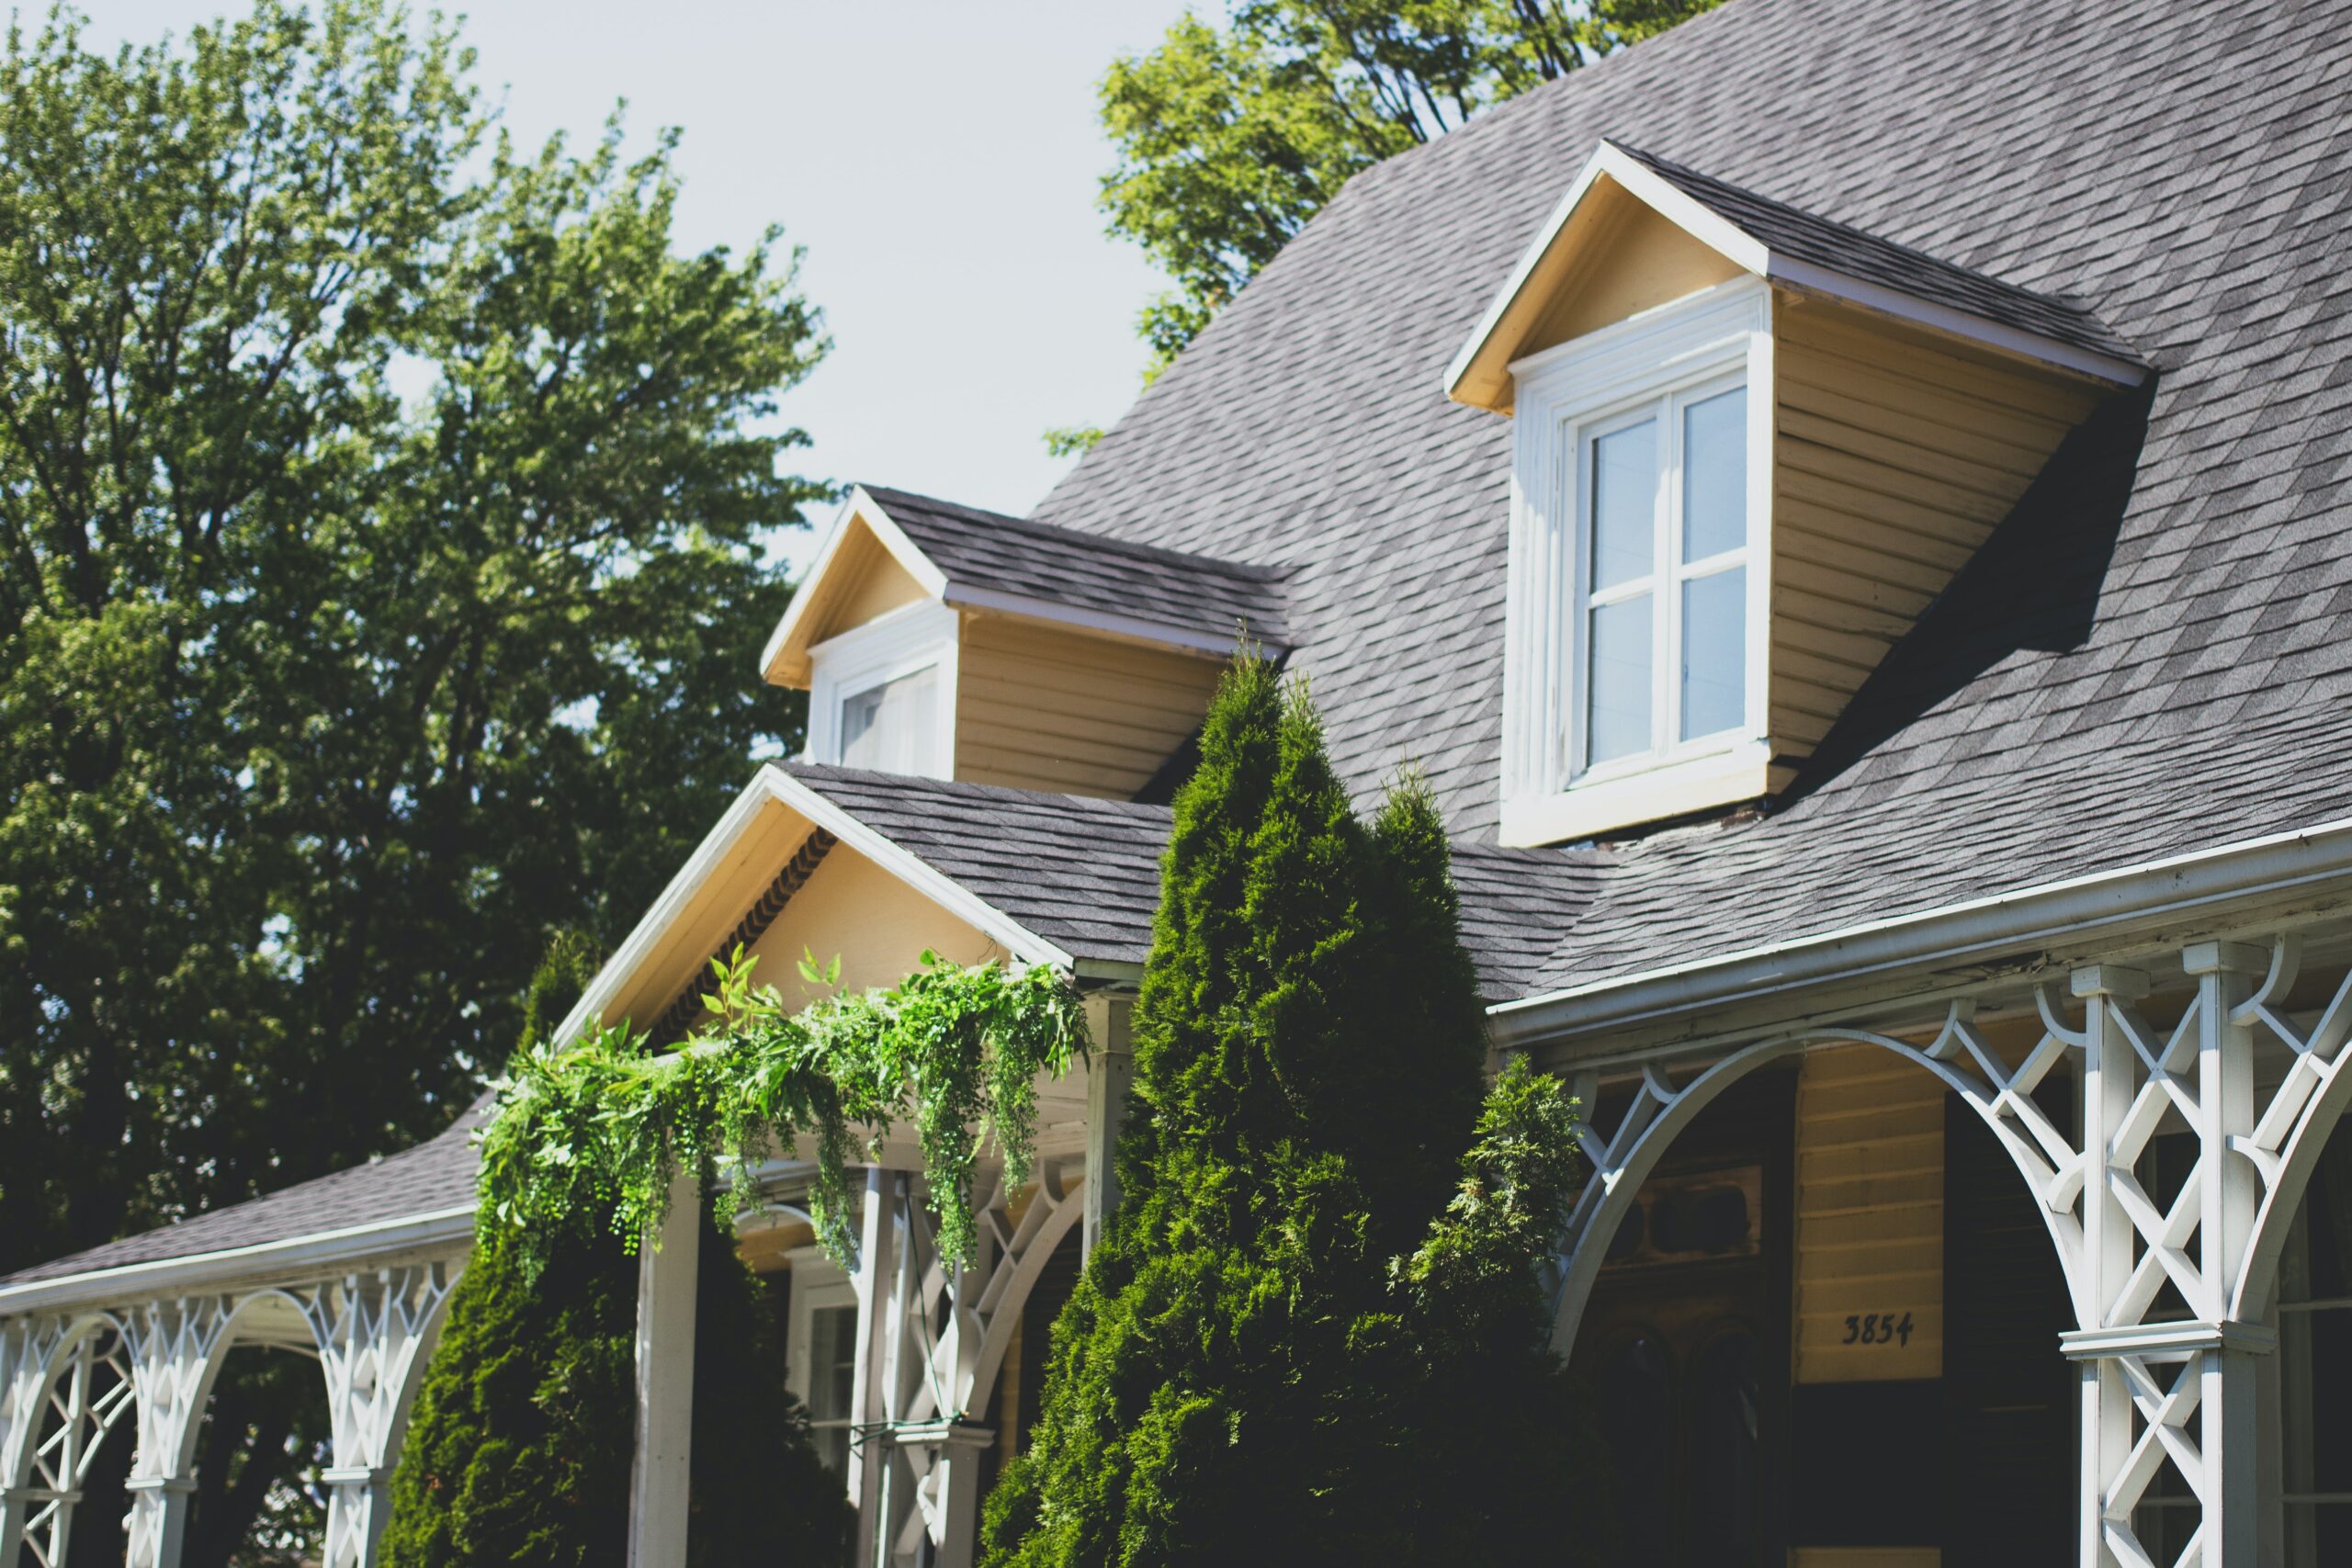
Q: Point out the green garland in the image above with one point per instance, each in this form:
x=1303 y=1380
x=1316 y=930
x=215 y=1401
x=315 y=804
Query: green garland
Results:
x=599 y=1127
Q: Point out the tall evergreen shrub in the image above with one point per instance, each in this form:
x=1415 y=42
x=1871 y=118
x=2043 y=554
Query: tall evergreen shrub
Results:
x=1313 y=1332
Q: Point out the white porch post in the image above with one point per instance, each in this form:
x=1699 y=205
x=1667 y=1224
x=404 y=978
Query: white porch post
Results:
x=174 y=1350
x=1108 y=1075
x=375 y=1333
x=2109 y=1085
x=660 y=1474
x=2230 y=1195
x=869 y=1456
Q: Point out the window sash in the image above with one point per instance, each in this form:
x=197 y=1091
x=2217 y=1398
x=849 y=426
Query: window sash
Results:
x=1664 y=583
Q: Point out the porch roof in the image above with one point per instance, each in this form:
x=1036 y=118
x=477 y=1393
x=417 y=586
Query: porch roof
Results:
x=1083 y=873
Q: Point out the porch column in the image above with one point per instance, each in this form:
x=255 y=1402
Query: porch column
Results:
x=869 y=1457
x=176 y=1349
x=1108 y=1075
x=2108 y=1086
x=2230 y=1194
x=660 y=1474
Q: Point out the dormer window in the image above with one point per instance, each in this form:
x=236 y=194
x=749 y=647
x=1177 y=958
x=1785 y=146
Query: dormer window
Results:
x=877 y=697
x=1635 y=524
x=1750 y=445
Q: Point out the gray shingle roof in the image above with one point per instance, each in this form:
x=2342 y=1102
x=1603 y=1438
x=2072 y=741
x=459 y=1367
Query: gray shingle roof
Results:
x=435 y=1175
x=2159 y=656
x=1112 y=577
x=1843 y=249
x=1084 y=873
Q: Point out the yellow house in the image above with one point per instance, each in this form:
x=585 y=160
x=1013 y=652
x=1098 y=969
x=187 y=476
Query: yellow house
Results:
x=1848 y=507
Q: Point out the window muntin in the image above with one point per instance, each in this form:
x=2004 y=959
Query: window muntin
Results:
x=1662 y=655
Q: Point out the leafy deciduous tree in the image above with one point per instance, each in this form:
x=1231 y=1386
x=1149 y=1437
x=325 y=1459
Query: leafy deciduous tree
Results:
x=382 y=547
x=1230 y=138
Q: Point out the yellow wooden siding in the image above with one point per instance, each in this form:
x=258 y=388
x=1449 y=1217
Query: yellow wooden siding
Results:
x=1043 y=707
x=1894 y=457
x=1641 y=260
x=1870 y=1217
x=862 y=581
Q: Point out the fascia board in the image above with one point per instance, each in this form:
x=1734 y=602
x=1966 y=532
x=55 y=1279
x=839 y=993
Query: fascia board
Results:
x=860 y=506
x=1753 y=256
x=1607 y=160
x=736 y=822
x=295 y=1258
x=2068 y=909
x=1132 y=629
x=773 y=786
x=2016 y=341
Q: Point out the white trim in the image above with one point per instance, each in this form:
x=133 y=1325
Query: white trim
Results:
x=902 y=550
x=1677 y=787
x=1025 y=946
x=321 y=1251
x=1753 y=256
x=1134 y=627
x=2073 y=908
x=910 y=640
x=1707 y=341
x=773 y=786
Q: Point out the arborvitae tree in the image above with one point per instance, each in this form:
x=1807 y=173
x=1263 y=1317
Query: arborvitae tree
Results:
x=1293 y=1346
x=519 y=1450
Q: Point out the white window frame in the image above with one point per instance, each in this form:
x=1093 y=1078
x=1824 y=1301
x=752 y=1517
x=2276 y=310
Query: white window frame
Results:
x=1657 y=362
x=907 y=641
x=817 y=1283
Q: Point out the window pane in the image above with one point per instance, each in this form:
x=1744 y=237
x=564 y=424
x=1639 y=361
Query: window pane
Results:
x=1617 y=715
x=1714 y=475
x=890 y=727
x=1714 y=652
x=1624 y=500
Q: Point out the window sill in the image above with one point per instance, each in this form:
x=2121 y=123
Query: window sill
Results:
x=1673 y=789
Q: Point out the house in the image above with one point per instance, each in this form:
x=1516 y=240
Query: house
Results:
x=1850 y=506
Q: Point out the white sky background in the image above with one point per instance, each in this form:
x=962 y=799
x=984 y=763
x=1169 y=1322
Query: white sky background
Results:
x=939 y=161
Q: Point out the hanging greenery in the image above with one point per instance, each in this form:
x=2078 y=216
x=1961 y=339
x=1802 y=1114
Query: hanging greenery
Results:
x=599 y=1126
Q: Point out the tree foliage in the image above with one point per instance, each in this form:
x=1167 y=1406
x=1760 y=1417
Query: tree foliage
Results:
x=383 y=521
x=519 y=1451
x=1231 y=136
x=1313 y=1333
x=595 y=1129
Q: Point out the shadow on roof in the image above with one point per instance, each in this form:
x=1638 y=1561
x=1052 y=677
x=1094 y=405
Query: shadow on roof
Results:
x=2034 y=587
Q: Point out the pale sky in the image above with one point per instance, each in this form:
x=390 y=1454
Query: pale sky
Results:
x=939 y=162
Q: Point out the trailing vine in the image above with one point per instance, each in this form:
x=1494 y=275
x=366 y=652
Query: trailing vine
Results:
x=598 y=1127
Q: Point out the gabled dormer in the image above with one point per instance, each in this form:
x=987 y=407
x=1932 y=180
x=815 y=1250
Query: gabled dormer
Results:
x=1750 y=447
x=948 y=642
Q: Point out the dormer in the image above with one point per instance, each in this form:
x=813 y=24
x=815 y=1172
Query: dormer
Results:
x=1750 y=447
x=948 y=642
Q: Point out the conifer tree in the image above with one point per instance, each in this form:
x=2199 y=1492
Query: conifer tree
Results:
x=1313 y=1333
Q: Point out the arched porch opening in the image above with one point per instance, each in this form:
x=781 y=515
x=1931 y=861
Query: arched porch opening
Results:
x=260 y=1441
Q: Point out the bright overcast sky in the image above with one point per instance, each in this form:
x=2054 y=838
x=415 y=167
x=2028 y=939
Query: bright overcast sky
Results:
x=938 y=160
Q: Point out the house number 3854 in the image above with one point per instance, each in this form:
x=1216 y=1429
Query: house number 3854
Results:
x=1878 y=1328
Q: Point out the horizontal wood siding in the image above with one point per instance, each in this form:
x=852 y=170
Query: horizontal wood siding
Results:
x=1039 y=708
x=1870 y=1218
x=1894 y=458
